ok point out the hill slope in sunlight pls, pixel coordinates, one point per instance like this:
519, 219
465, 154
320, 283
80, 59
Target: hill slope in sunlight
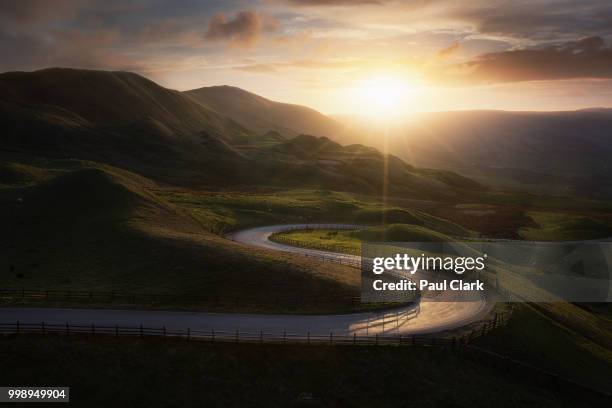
262, 115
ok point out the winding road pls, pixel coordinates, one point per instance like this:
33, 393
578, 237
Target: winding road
424, 318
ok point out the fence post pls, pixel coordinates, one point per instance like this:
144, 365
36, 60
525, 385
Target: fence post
237, 335
212, 331
284, 337
164, 329
261, 336
308, 337
188, 333
354, 338
93, 328
67, 329
42, 325
400, 340
17, 326
116, 330
141, 331
331, 338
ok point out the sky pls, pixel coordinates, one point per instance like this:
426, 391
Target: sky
337, 56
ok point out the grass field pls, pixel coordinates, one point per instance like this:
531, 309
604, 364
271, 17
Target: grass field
162, 373
93, 227
79, 225
558, 340
349, 241
553, 226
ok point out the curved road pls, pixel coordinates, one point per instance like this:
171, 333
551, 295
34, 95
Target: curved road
428, 317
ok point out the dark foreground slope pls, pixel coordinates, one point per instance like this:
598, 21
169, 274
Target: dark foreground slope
262, 115
196, 374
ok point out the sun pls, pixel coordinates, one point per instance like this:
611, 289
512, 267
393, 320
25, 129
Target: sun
385, 96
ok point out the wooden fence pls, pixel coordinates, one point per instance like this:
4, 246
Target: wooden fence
261, 336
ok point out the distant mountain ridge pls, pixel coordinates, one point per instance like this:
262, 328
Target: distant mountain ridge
113, 99
262, 115
130, 122
559, 152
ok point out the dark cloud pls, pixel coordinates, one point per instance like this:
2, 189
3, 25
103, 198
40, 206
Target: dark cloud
35, 11
585, 58
538, 20
110, 34
244, 29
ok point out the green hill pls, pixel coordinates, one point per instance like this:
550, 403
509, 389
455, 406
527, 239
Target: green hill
262, 115
95, 227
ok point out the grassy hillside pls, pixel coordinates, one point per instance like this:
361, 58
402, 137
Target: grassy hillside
314, 161
553, 226
95, 227
262, 115
119, 100
350, 241
557, 340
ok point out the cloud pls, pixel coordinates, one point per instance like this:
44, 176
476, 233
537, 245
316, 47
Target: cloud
585, 58
35, 11
453, 48
542, 20
334, 2
307, 64
257, 68
244, 29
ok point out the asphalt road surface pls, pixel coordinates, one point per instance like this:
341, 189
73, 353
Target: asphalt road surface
421, 318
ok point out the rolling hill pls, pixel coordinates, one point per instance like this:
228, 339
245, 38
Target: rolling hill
561, 153
127, 121
262, 115
87, 226
557, 152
